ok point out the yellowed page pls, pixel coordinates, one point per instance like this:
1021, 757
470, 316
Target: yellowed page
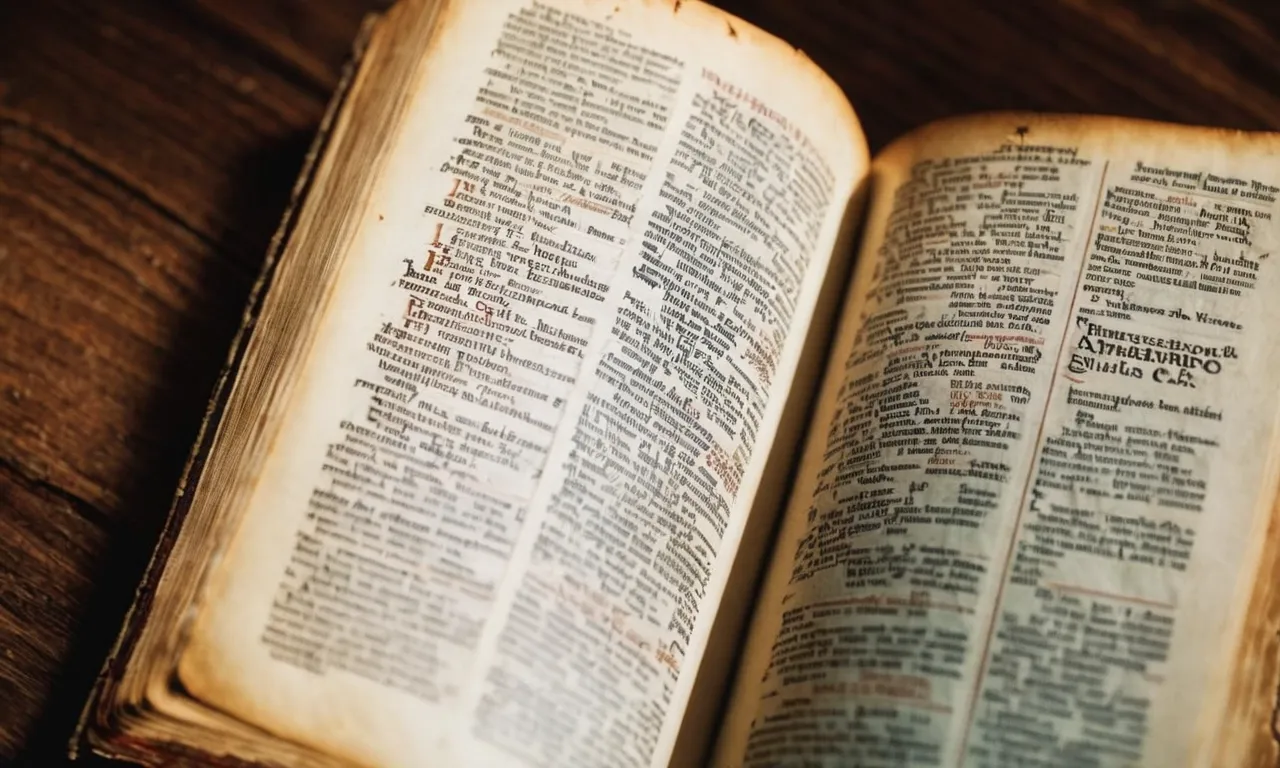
1032, 504
498, 516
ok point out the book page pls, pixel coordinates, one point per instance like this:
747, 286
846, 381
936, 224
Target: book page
497, 518
1031, 508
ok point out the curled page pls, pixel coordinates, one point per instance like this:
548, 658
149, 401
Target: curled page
1029, 514
497, 519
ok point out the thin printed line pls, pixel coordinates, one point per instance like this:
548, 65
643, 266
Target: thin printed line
1026, 486
1077, 590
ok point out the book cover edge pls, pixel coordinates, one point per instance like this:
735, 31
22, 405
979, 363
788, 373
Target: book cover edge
82, 739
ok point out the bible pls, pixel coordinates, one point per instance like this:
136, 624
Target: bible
603, 402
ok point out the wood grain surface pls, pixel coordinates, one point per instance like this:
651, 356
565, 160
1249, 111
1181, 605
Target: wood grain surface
147, 148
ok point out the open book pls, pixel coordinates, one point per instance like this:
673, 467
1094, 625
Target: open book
586, 416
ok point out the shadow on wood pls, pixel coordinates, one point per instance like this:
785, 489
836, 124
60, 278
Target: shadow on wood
169, 423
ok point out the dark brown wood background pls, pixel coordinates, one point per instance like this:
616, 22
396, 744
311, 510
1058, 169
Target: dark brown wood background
146, 151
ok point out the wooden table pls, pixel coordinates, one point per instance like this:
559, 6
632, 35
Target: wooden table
146, 151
